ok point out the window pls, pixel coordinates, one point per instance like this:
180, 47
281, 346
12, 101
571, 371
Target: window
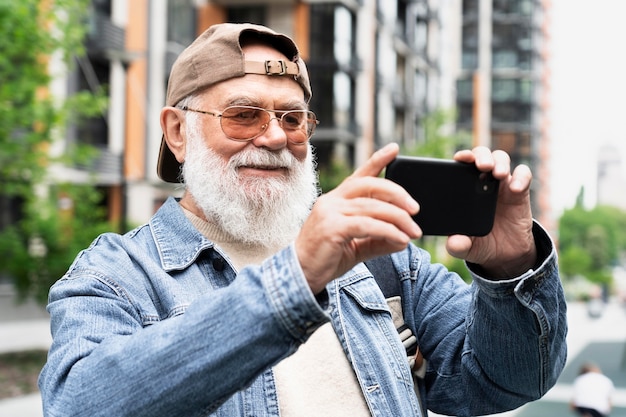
469, 59
247, 14
465, 89
524, 7
512, 46
181, 22
470, 7
504, 90
331, 69
93, 131
510, 113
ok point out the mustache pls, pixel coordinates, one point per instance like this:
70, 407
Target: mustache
263, 158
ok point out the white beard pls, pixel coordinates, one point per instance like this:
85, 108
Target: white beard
259, 211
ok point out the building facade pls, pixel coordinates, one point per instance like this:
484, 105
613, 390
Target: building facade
503, 85
377, 67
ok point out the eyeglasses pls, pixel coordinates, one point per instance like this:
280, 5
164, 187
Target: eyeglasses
245, 123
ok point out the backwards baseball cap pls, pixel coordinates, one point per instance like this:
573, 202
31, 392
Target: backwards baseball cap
216, 56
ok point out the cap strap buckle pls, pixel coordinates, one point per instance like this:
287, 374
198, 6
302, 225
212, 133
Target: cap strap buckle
269, 67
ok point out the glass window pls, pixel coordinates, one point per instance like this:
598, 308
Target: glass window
93, 130
465, 113
420, 40
470, 7
525, 91
344, 36
512, 89
343, 94
322, 32
505, 59
421, 92
465, 89
469, 58
511, 44
247, 14
331, 68
524, 7
510, 113
503, 90
181, 21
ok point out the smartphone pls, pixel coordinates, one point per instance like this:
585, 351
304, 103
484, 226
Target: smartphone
454, 197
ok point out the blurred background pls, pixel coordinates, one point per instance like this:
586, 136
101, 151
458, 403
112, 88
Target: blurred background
83, 82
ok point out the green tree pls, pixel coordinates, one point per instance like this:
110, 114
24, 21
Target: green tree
439, 142
331, 176
38, 248
591, 241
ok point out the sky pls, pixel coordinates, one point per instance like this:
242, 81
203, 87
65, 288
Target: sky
588, 94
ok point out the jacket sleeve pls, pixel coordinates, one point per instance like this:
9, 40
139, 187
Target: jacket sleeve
491, 346
104, 361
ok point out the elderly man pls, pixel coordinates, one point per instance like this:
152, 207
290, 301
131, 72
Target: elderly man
249, 295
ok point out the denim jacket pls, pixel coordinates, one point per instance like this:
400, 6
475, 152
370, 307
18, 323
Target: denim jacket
157, 323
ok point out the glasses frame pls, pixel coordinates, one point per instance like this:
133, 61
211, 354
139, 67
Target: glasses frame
263, 126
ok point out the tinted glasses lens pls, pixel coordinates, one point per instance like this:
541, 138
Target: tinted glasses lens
297, 124
244, 122
247, 123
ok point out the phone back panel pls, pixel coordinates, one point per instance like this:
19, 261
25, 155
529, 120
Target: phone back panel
454, 197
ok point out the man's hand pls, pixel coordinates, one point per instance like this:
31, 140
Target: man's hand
509, 249
364, 217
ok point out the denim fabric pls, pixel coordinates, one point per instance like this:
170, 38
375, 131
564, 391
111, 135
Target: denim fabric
157, 323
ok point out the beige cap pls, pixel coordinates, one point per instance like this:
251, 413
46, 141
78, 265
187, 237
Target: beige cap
216, 56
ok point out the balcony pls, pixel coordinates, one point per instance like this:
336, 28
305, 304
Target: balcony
105, 39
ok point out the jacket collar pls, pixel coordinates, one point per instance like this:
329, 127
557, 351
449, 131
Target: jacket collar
178, 242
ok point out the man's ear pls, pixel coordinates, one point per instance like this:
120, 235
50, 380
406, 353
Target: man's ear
173, 126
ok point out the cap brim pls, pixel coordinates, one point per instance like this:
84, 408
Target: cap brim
168, 167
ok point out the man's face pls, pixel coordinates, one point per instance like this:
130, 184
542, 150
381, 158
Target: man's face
258, 191
268, 92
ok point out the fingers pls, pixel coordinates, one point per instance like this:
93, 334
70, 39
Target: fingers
498, 162
458, 246
521, 179
510, 242
377, 189
377, 162
378, 199
363, 217
378, 219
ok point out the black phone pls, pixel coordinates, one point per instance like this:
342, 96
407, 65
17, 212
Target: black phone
454, 197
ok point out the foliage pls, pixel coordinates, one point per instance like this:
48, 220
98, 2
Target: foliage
39, 247
573, 260
332, 176
438, 142
28, 115
591, 241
